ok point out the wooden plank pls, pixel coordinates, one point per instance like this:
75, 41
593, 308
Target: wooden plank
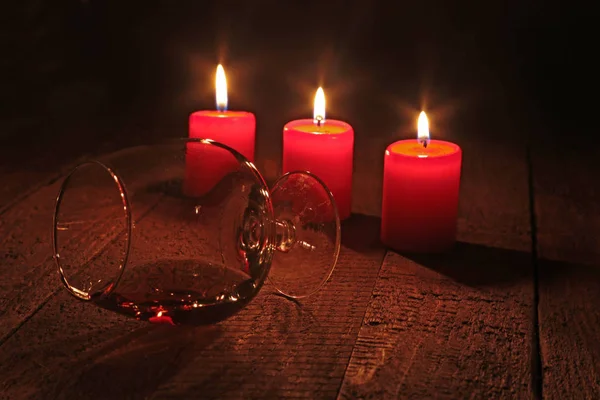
567, 204
275, 347
443, 327
494, 196
460, 324
18, 185
29, 276
26, 165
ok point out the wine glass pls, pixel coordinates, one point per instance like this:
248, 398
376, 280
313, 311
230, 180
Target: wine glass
187, 231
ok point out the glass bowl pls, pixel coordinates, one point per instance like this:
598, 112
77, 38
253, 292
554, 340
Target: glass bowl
187, 232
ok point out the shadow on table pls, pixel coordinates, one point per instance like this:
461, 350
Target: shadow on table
259, 350
477, 265
138, 363
570, 275
473, 265
361, 233
276, 349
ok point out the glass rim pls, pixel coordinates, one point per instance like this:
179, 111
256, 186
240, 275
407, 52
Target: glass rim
78, 293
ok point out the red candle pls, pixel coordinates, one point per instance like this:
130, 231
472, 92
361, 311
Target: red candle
325, 148
421, 180
205, 167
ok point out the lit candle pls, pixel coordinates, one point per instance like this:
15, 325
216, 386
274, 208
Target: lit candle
421, 180
236, 129
325, 148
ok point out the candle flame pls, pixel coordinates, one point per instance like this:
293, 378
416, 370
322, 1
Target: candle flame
221, 88
319, 107
423, 129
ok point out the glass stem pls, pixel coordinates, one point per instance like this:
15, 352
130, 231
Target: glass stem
286, 237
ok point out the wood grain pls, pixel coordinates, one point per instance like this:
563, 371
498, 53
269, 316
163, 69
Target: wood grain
274, 348
567, 203
494, 198
29, 276
438, 327
457, 325
26, 165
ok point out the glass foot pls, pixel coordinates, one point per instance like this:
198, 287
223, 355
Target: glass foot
308, 234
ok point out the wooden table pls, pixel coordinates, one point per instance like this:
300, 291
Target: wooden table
512, 312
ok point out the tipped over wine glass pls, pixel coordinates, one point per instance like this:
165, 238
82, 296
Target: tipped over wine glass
187, 232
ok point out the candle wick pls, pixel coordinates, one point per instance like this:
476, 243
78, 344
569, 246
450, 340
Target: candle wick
318, 120
425, 143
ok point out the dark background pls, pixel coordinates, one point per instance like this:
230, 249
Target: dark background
80, 73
